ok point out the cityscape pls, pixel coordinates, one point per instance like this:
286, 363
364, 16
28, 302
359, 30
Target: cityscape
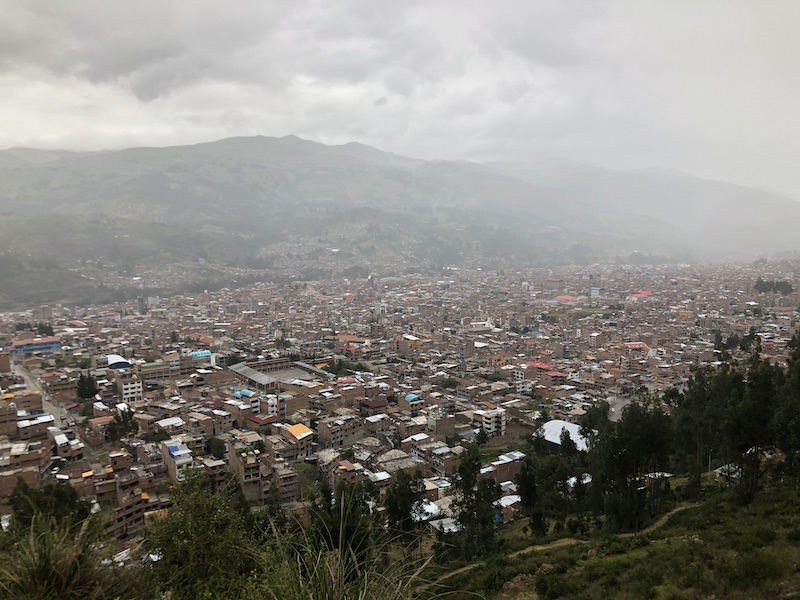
276, 389
419, 300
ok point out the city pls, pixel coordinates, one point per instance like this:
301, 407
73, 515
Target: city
355, 381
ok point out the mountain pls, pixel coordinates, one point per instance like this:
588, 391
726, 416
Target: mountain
281, 204
33, 155
7, 159
710, 219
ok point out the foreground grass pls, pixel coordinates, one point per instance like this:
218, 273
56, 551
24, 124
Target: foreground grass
718, 549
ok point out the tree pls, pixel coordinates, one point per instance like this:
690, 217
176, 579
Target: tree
696, 417
159, 436
203, 543
232, 359
482, 438
475, 511
747, 426
122, 426
639, 443
786, 420
215, 447
449, 383
568, 447
343, 520
401, 499
528, 487
54, 503
87, 386
44, 329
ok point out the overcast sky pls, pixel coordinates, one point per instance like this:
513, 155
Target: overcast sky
712, 88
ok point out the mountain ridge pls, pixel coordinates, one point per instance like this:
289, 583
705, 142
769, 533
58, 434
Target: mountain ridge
257, 197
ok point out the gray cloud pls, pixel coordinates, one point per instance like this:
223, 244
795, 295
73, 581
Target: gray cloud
706, 87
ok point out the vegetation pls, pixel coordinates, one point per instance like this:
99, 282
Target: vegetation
777, 287
215, 447
401, 499
474, 512
717, 549
87, 386
59, 562
232, 359
122, 426
201, 547
343, 367
52, 551
53, 504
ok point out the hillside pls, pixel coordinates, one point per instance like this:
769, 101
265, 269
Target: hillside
711, 219
717, 549
250, 201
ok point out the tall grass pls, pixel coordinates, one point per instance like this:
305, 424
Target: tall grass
55, 561
297, 567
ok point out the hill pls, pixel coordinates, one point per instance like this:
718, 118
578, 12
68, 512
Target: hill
711, 219
718, 549
278, 203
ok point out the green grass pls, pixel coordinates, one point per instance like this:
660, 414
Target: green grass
718, 549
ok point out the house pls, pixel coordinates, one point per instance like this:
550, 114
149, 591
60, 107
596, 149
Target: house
552, 431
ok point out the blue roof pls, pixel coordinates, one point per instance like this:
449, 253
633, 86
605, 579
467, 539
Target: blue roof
412, 398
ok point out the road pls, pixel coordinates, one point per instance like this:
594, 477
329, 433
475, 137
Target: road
33, 384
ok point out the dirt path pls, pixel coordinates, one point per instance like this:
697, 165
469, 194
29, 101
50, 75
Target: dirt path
568, 542
660, 522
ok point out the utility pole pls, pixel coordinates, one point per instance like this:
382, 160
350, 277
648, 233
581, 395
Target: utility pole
710, 452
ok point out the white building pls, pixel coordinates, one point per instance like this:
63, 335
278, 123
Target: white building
493, 422
129, 386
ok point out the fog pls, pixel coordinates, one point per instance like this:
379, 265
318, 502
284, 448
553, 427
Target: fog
706, 88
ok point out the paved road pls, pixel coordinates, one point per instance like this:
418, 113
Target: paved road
33, 384
56, 410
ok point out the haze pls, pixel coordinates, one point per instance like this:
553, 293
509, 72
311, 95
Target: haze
707, 88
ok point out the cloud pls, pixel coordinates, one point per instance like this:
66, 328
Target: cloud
708, 88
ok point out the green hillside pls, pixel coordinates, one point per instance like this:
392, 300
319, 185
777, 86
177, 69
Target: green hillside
717, 549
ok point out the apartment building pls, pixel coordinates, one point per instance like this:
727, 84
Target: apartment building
493, 422
339, 432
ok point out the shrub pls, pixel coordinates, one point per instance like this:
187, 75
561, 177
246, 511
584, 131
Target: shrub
57, 561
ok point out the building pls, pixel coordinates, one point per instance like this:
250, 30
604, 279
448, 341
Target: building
129, 386
178, 457
29, 460
129, 514
339, 432
553, 430
284, 481
245, 461
38, 345
493, 422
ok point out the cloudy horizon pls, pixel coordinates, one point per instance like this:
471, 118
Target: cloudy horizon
707, 88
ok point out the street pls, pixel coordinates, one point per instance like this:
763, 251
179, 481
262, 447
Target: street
33, 384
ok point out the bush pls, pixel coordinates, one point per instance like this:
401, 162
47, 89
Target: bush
299, 568
55, 560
